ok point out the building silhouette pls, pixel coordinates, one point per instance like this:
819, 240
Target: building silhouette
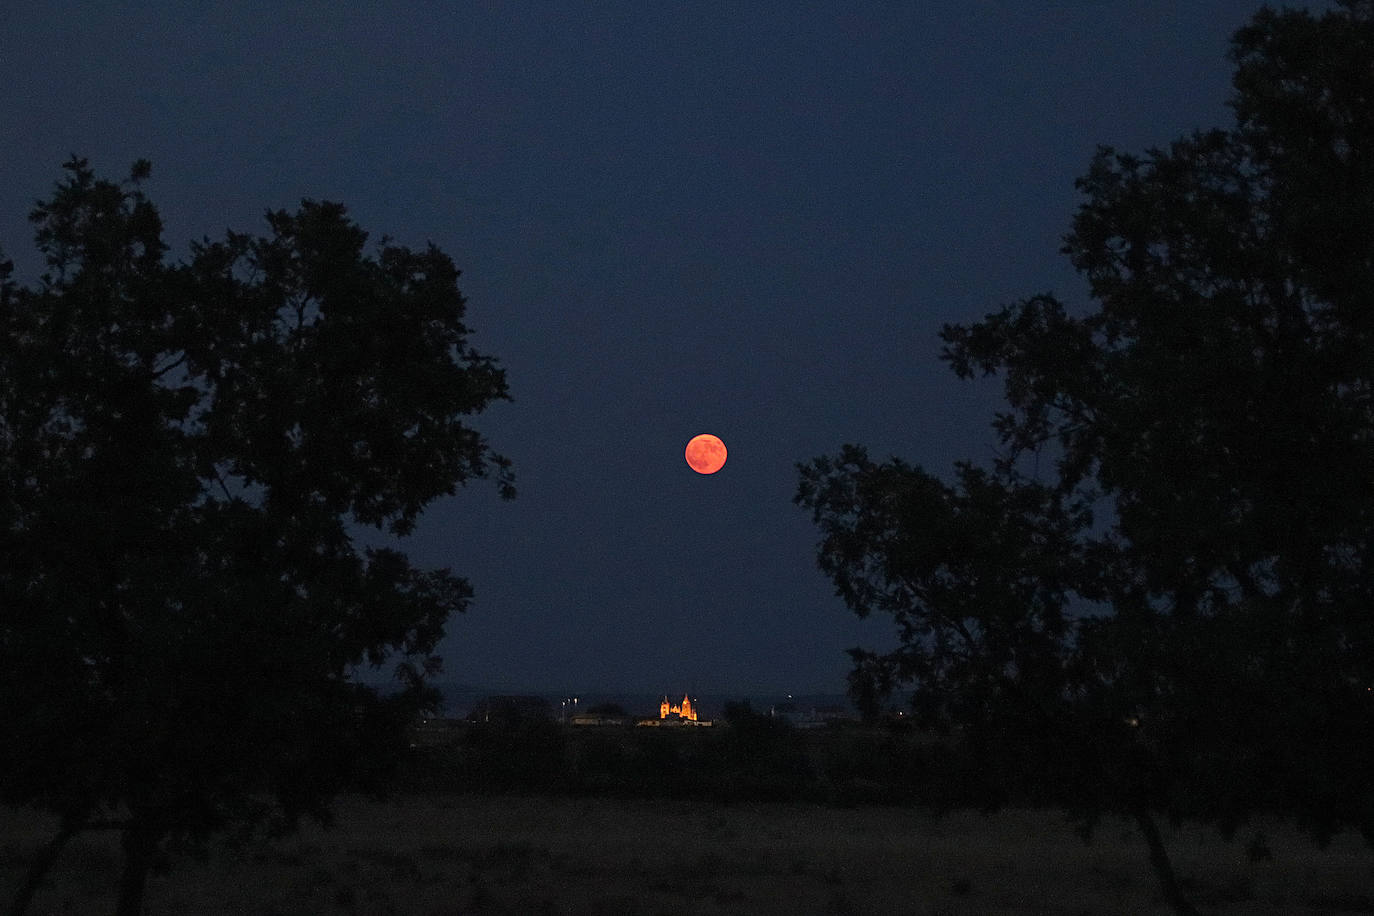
685, 711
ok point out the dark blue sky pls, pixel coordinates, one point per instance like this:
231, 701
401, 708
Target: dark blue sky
749, 219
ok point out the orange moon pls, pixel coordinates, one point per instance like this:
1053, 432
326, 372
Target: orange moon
706, 454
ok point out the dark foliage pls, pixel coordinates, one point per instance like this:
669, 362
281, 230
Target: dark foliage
526, 755
765, 760
1159, 594
184, 450
757, 756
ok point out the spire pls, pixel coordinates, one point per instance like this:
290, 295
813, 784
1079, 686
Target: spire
685, 711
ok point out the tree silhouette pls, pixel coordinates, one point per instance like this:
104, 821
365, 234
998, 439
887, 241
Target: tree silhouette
1159, 593
184, 451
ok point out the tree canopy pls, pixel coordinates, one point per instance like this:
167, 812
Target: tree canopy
187, 451
1159, 593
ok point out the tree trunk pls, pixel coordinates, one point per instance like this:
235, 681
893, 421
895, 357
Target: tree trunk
41, 862
1164, 870
140, 845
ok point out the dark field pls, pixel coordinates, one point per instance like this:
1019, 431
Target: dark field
445, 854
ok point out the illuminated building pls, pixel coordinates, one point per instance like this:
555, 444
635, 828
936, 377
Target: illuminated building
685, 711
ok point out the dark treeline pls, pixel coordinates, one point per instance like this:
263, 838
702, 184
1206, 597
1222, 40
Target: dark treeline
752, 759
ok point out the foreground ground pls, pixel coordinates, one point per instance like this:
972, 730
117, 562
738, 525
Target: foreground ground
518, 855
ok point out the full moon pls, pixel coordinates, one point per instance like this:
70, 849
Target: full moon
706, 454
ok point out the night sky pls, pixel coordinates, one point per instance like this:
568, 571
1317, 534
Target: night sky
748, 219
